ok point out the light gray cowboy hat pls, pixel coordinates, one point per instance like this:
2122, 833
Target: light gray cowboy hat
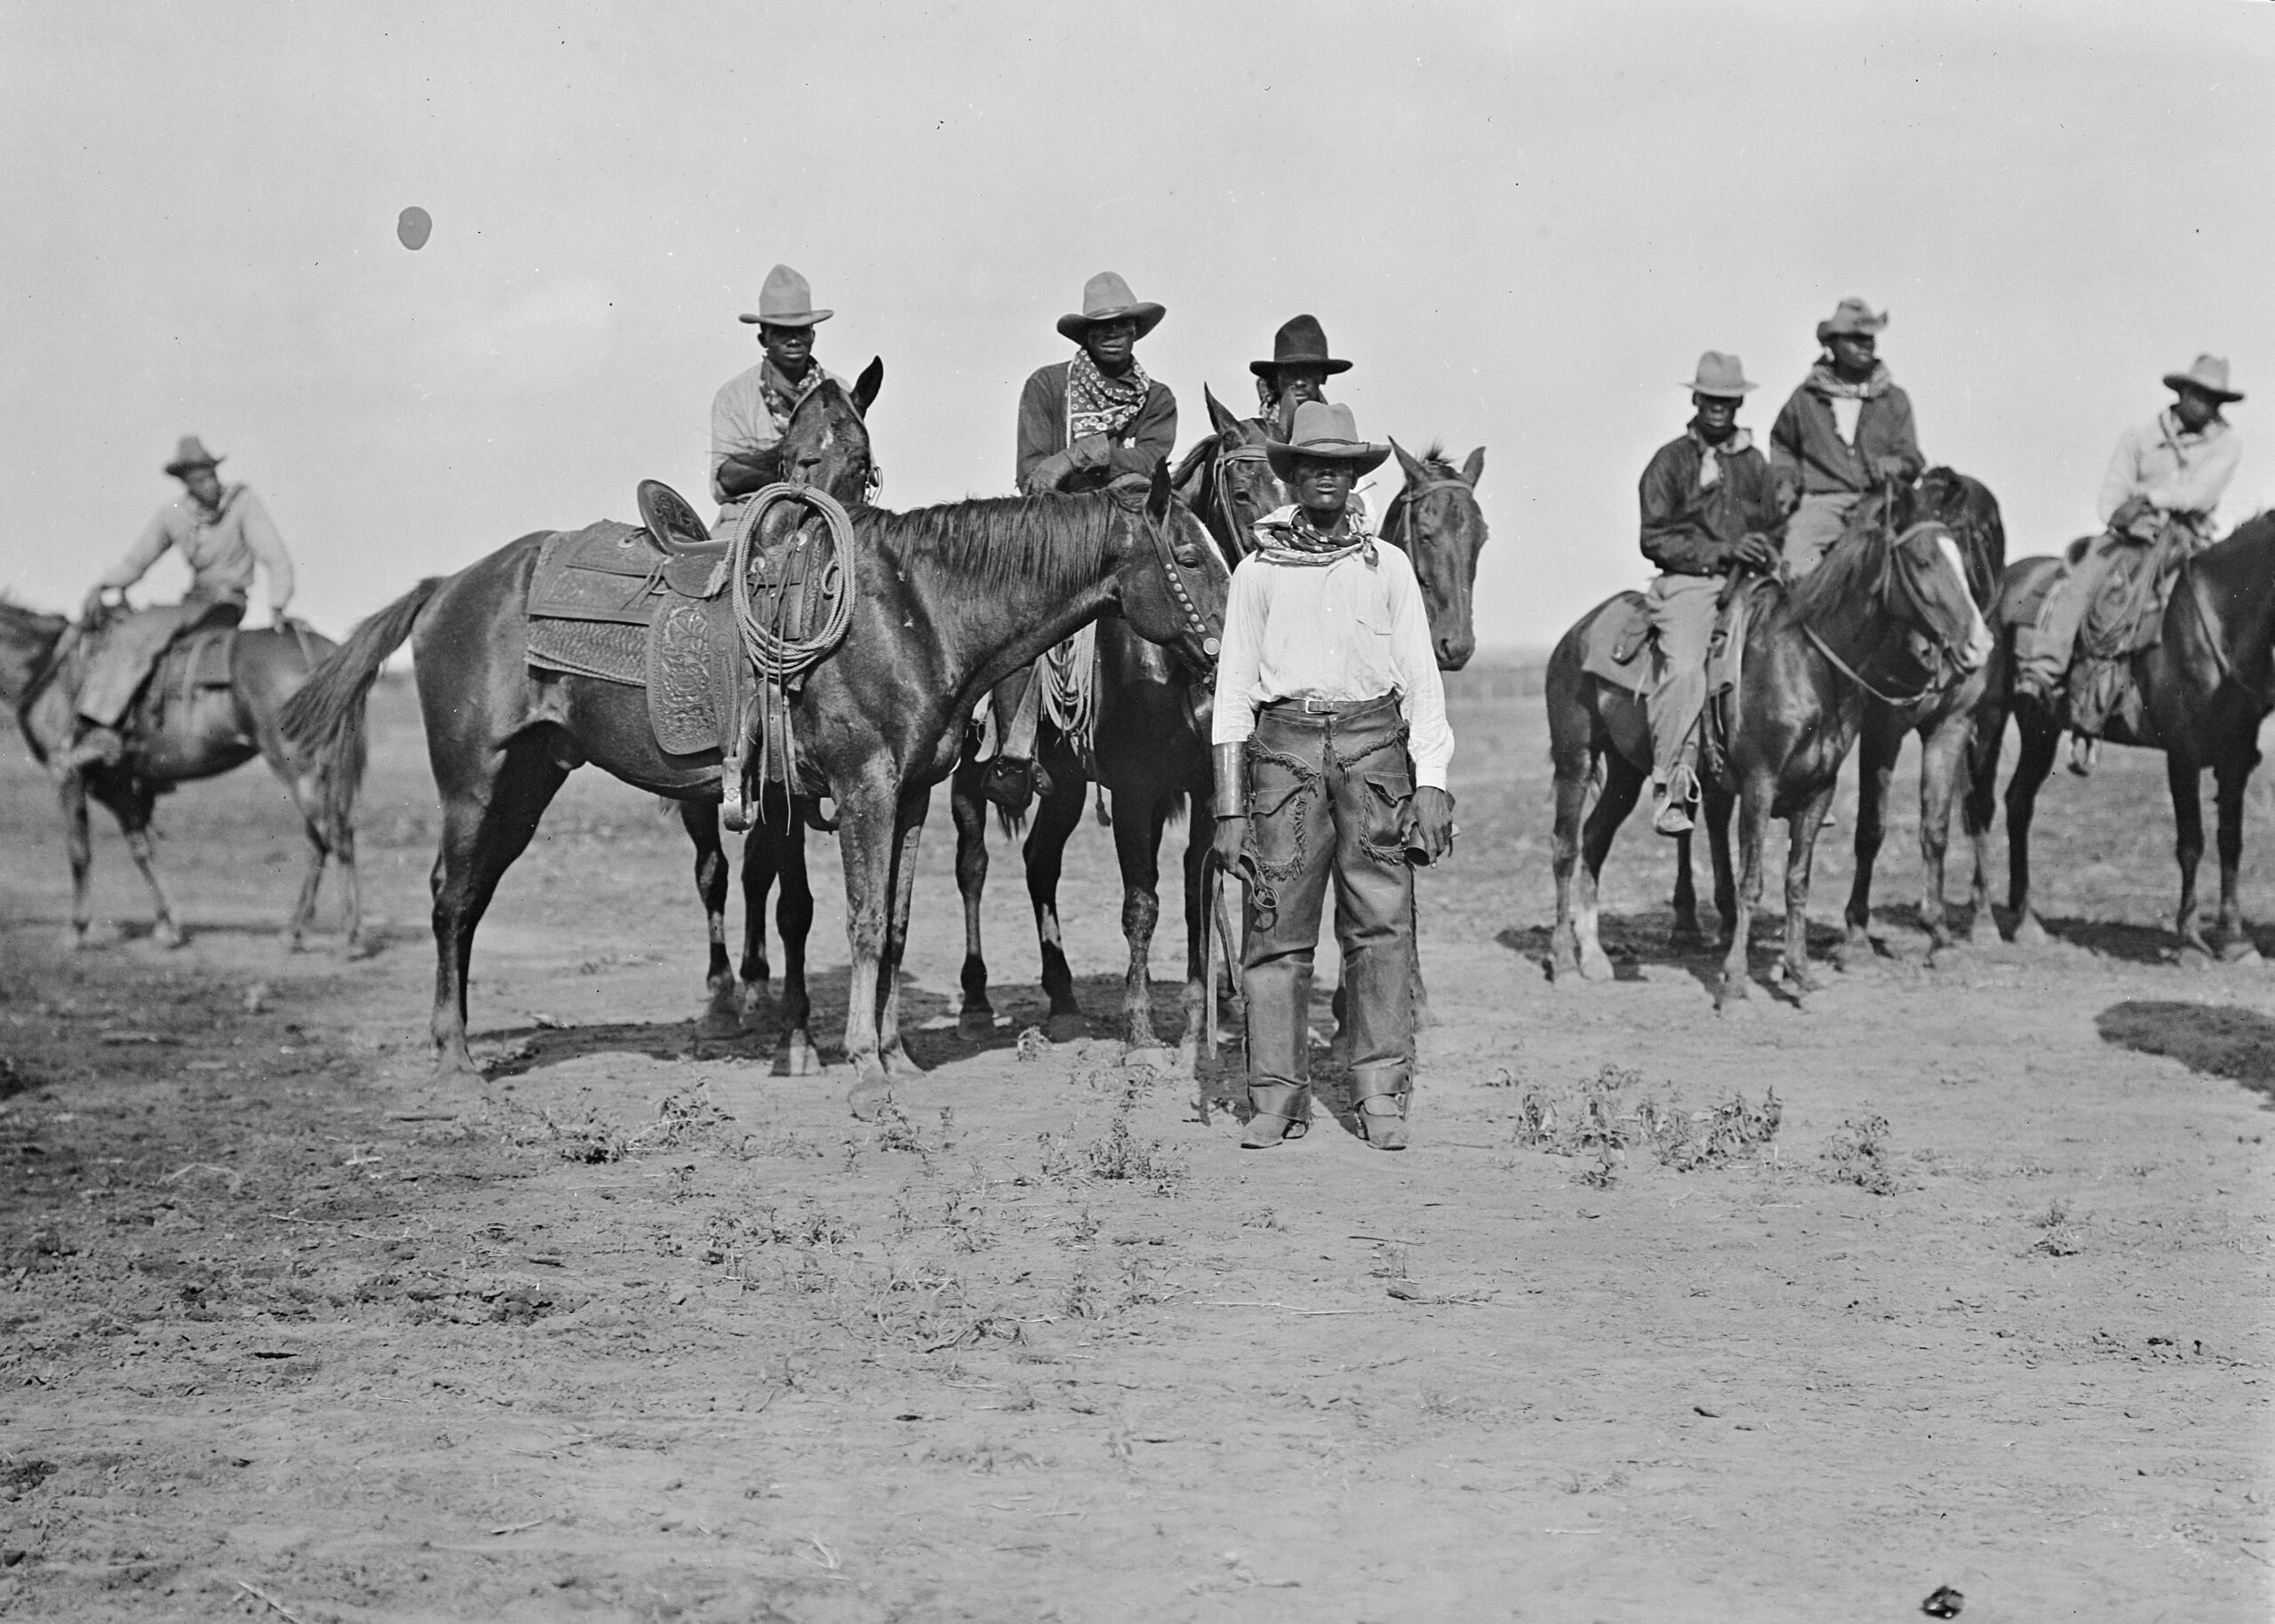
1850, 316
2208, 376
786, 301
191, 453
1106, 298
1721, 376
1327, 431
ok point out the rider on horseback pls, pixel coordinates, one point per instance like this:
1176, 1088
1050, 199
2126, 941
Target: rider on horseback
2164, 485
1297, 372
752, 409
222, 533
1709, 509
1847, 429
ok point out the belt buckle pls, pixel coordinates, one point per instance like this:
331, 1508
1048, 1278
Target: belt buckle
1317, 706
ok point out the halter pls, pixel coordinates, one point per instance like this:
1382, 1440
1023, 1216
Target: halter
1942, 674
1220, 487
1173, 572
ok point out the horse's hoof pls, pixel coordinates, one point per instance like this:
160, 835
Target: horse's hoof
291, 942
167, 935
1686, 939
976, 1024
75, 939
1941, 954
456, 1069
1984, 931
720, 1023
1147, 1057
2029, 931
1069, 1027
867, 1100
2239, 952
796, 1057
1595, 965
896, 1062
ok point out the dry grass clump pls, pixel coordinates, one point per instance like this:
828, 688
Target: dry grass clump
1601, 1118
2060, 1238
1857, 1153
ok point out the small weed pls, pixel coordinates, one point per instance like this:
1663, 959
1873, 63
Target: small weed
1118, 1155
1501, 1078
2061, 1238
1080, 1300
1262, 1218
1032, 1044
1857, 1153
1601, 1118
1086, 1230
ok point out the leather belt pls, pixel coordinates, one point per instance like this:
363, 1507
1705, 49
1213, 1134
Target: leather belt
1311, 704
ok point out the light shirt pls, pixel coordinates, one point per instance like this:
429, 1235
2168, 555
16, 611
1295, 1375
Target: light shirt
743, 422
2177, 472
1846, 409
220, 548
1341, 630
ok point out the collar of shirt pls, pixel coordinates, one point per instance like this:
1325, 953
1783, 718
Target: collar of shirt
2186, 439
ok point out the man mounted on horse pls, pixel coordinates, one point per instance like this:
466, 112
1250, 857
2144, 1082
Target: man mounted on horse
1297, 372
1083, 423
1846, 432
1710, 511
752, 409
2157, 499
222, 533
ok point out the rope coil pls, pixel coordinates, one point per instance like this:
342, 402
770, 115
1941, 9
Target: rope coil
778, 658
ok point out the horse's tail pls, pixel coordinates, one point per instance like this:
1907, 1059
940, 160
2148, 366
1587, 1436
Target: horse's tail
323, 720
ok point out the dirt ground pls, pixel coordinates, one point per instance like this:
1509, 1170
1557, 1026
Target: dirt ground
639, 1331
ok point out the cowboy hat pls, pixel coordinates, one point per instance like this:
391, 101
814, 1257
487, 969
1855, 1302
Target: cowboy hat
1851, 316
1326, 431
1106, 298
1300, 342
1721, 376
786, 301
2208, 376
191, 453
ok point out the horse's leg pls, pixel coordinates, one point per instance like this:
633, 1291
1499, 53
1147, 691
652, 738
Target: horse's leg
133, 815
868, 839
793, 918
1801, 854
2232, 772
1199, 832
1138, 852
701, 821
490, 811
1876, 751
2186, 779
1986, 733
1685, 934
1754, 798
890, 1048
1941, 748
351, 891
304, 907
1056, 819
1623, 782
1718, 852
79, 848
2032, 762
968, 807
766, 850
1572, 777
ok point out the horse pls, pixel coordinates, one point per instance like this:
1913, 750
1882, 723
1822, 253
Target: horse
1811, 652
216, 728
1943, 716
950, 599
2205, 686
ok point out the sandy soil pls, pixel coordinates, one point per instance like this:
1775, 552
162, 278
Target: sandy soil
639, 1331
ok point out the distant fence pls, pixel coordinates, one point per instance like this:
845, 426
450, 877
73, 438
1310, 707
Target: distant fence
1502, 679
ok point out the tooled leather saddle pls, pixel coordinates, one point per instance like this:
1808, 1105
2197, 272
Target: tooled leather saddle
651, 606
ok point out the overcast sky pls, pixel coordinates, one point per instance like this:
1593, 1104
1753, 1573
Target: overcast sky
1522, 222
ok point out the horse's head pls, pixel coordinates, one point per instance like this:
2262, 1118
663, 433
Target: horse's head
1436, 521
1924, 585
1228, 481
826, 442
1966, 507
28, 639
1169, 582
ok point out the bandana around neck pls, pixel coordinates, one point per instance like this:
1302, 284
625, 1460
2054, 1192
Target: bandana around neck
782, 395
1286, 536
1825, 381
1096, 404
1710, 455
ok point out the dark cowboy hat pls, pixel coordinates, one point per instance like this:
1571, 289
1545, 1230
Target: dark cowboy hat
1299, 342
1326, 431
1106, 298
786, 300
191, 453
2208, 377
1850, 317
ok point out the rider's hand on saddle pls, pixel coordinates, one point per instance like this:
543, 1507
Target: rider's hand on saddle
1755, 552
1231, 844
1432, 821
1090, 451
1892, 469
1048, 473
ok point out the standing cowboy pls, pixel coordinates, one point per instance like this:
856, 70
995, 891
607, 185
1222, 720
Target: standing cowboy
222, 533
753, 409
1325, 685
1846, 429
1083, 423
1297, 372
2157, 498
1710, 509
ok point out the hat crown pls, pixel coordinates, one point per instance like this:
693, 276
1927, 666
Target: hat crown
1300, 338
190, 452
1719, 373
1106, 294
1849, 317
785, 294
2210, 373
1323, 423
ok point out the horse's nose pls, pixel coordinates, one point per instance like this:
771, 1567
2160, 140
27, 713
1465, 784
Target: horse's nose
1454, 652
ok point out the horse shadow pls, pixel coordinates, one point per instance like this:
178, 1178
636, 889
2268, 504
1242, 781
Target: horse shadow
2214, 1040
2134, 943
1645, 937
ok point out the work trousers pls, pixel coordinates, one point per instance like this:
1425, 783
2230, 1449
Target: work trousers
1330, 795
1681, 610
132, 646
1819, 522
2044, 648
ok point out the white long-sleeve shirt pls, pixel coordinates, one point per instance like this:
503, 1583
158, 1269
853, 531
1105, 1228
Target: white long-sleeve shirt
2177, 472
1341, 630
221, 547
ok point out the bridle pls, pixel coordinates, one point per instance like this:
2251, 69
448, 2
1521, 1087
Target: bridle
1946, 670
1205, 634
1221, 489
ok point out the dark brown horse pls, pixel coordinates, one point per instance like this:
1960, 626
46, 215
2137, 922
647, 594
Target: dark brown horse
216, 729
2205, 687
1943, 716
950, 599
1811, 652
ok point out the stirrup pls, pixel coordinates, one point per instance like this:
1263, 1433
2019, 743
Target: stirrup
734, 809
1670, 816
1385, 1130
1268, 1127
2085, 749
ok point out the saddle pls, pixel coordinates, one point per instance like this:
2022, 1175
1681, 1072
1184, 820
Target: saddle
1615, 648
193, 664
651, 606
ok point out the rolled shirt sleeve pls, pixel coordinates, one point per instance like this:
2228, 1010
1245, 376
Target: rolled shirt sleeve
1238, 660
740, 423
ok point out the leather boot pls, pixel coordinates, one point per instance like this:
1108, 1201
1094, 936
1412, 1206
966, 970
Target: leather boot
1280, 1115
96, 746
1382, 1118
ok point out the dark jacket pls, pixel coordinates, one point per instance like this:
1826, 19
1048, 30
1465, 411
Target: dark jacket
1141, 447
1805, 446
1688, 531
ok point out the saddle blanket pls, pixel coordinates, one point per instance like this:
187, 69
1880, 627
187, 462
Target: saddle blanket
1617, 647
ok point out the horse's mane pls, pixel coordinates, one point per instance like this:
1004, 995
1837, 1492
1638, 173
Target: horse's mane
1851, 567
1056, 542
1192, 459
2255, 531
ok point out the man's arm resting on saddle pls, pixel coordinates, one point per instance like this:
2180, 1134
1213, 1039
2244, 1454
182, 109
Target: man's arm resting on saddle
746, 471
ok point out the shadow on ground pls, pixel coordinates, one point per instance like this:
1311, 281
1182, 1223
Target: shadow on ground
2217, 1039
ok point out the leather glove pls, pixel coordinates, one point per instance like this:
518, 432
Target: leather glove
1430, 822
1049, 473
1090, 451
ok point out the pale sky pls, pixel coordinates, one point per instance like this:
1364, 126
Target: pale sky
1522, 223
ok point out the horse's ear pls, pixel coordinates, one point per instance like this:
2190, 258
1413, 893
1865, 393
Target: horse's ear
1158, 496
1473, 469
1415, 474
869, 385
1227, 426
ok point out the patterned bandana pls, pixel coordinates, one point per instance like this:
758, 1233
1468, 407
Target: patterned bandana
1825, 381
1710, 455
782, 395
1286, 536
1096, 404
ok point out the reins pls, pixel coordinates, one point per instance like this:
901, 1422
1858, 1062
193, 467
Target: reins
1945, 663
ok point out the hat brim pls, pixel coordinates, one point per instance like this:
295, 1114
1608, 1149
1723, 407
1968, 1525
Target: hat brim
1721, 392
1826, 331
2182, 380
1270, 368
800, 318
1147, 316
178, 468
1363, 459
